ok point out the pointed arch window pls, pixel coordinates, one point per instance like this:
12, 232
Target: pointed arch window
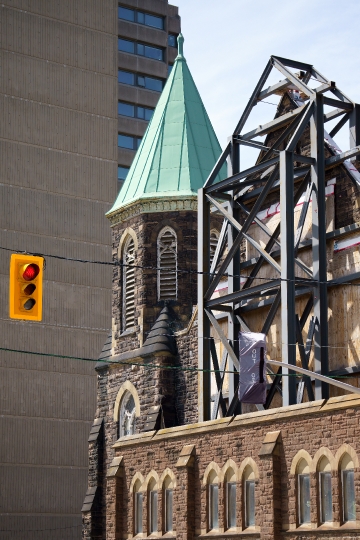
127, 415
129, 284
325, 490
348, 489
138, 508
304, 499
213, 498
249, 497
167, 264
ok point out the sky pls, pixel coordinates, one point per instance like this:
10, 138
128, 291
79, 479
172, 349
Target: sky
228, 43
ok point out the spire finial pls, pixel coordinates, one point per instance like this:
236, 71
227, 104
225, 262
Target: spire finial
180, 40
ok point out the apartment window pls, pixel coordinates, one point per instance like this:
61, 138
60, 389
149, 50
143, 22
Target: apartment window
122, 172
348, 489
172, 40
129, 284
249, 497
230, 487
167, 263
170, 66
133, 111
303, 472
138, 509
155, 53
126, 141
141, 17
150, 83
325, 491
153, 507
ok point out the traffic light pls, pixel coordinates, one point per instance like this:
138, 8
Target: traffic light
26, 284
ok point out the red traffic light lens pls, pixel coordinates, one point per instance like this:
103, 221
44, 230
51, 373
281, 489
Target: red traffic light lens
30, 272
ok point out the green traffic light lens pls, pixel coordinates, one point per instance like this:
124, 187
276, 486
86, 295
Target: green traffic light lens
29, 304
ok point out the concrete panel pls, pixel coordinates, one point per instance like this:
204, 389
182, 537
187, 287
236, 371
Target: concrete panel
57, 340
132, 126
125, 157
72, 131
53, 171
27, 489
140, 32
57, 41
148, 98
63, 271
88, 13
140, 64
39, 527
73, 217
151, 6
57, 84
38, 441
69, 305
46, 395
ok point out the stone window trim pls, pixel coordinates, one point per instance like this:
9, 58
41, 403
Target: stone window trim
126, 388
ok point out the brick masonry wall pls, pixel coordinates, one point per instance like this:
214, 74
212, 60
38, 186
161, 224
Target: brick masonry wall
310, 427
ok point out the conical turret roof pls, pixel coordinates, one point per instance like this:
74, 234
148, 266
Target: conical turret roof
179, 148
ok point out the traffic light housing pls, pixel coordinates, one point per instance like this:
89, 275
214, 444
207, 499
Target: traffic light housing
26, 287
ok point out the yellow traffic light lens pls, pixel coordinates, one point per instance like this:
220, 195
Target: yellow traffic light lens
29, 304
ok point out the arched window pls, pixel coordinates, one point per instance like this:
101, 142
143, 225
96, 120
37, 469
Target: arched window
127, 415
214, 237
168, 504
348, 488
303, 482
213, 497
230, 496
152, 506
138, 508
167, 264
249, 496
325, 490
129, 284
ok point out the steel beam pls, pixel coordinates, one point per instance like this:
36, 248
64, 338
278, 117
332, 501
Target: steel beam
274, 89
273, 125
321, 363
204, 377
217, 167
288, 330
355, 127
289, 75
338, 104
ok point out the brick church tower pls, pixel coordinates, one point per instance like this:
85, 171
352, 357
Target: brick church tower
154, 231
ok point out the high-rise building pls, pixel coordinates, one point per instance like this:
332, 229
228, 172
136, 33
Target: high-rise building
58, 148
147, 48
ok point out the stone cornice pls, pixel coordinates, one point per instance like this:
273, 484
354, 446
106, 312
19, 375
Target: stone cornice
147, 206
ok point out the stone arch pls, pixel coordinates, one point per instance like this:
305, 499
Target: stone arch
137, 476
248, 462
127, 386
167, 473
346, 449
323, 452
301, 454
209, 469
229, 465
153, 475
127, 232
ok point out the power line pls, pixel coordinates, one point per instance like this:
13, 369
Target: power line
304, 281
144, 365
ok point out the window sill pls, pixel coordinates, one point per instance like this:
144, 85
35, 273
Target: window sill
232, 533
311, 528
129, 332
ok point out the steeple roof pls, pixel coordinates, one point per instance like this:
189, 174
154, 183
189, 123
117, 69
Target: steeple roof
179, 148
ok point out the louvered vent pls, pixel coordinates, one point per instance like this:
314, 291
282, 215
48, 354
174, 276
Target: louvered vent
214, 237
167, 262
129, 285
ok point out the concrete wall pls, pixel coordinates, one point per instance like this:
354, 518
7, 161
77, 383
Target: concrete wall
58, 177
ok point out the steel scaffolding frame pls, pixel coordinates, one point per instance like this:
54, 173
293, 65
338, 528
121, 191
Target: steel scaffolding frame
274, 170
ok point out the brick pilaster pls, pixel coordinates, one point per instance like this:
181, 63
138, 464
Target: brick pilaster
184, 495
270, 499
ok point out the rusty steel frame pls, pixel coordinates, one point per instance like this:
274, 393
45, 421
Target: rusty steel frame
228, 198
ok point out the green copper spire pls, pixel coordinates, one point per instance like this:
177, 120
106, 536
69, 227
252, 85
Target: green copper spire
179, 148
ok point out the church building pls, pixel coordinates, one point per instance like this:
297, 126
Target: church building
154, 469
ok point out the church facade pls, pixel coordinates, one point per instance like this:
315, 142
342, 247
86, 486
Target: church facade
154, 470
